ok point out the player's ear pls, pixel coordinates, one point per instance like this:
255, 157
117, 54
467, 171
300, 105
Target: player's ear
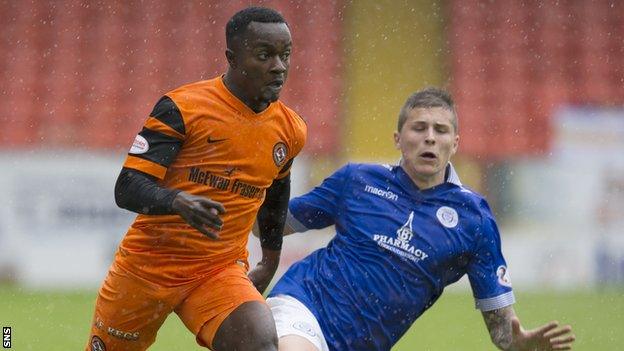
231, 58
455, 144
397, 140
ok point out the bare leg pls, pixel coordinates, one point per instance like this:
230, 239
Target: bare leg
250, 327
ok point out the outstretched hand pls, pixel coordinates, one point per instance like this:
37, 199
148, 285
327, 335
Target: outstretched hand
200, 212
547, 337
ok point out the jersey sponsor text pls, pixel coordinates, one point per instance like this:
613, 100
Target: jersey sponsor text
383, 193
399, 247
196, 175
401, 244
214, 181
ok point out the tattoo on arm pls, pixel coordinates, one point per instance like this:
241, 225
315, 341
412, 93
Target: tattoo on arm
499, 325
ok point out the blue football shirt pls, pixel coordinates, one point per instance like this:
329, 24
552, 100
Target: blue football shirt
395, 250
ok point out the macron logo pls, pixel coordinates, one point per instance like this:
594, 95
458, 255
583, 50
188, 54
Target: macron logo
382, 193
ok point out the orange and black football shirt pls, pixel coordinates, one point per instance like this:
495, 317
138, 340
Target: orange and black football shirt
203, 140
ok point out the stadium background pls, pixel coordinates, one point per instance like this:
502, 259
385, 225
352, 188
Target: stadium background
540, 92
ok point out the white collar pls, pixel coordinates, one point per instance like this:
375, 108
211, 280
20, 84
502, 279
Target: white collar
452, 176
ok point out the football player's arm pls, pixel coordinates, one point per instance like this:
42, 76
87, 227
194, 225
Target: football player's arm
488, 276
139, 192
507, 333
288, 228
316, 209
270, 222
156, 147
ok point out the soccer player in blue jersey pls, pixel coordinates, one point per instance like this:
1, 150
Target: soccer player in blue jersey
403, 233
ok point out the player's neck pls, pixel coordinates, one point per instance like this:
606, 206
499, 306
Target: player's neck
423, 181
236, 88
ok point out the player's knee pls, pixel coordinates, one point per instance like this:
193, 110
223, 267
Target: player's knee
268, 343
249, 327
262, 336
251, 340
247, 343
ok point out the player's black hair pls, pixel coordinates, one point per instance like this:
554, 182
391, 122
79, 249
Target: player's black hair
428, 98
239, 22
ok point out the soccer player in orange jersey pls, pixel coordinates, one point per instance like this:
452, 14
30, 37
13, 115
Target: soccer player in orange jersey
212, 157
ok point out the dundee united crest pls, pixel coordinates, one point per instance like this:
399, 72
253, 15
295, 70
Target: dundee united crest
280, 154
97, 344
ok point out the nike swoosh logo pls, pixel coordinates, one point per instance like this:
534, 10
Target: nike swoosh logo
210, 140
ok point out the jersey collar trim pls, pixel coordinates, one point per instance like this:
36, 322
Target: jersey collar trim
239, 105
452, 176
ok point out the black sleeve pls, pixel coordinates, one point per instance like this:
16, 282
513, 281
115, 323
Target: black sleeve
139, 192
162, 147
272, 214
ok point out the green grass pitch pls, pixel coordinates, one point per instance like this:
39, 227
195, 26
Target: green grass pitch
48, 320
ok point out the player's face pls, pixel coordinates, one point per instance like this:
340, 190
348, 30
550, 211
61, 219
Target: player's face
263, 60
427, 141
